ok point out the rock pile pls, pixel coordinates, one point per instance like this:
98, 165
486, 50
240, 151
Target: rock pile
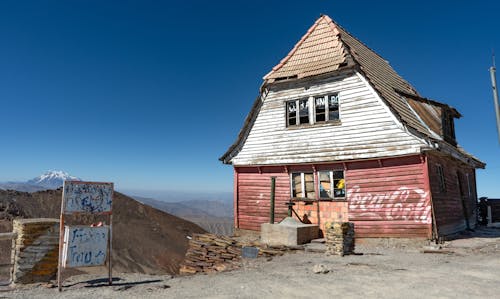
339, 238
209, 253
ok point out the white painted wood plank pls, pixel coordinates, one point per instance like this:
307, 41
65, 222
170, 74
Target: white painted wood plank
367, 129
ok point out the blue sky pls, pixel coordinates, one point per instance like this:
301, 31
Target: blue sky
148, 94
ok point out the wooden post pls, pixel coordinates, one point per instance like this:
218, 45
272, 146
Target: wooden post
61, 240
490, 221
110, 244
271, 210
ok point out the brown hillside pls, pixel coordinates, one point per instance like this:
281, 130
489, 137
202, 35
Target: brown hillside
145, 240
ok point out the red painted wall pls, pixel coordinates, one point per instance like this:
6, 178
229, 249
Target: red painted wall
389, 198
449, 204
254, 192
385, 198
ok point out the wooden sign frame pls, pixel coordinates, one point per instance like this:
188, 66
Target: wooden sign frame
86, 209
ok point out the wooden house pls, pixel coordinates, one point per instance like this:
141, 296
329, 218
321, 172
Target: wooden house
348, 139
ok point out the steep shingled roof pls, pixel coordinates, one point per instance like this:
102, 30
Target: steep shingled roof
327, 47
319, 51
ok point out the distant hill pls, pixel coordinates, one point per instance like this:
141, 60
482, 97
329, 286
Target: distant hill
20, 186
214, 216
145, 240
51, 179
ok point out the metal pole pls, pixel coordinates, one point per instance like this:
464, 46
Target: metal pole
495, 97
271, 211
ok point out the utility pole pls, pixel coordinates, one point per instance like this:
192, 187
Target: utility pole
495, 95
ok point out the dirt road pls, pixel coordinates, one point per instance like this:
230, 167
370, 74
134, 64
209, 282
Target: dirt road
470, 268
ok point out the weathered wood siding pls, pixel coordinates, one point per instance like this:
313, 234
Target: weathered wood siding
385, 198
449, 204
367, 129
254, 194
389, 198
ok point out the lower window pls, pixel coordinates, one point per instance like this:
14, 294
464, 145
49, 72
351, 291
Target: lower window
331, 184
303, 185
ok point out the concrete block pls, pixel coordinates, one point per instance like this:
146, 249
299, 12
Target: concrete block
288, 233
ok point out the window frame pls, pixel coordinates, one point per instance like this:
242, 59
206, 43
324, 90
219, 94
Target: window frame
326, 98
441, 178
332, 185
297, 112
469, 189
302, 185
311, 110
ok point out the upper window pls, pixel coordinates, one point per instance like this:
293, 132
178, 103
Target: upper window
326, 108
448, 127
460, 183
297, 112
442, 182
303, 185
322, 109
331, 184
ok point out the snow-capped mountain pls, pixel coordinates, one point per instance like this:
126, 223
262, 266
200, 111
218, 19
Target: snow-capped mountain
52, 179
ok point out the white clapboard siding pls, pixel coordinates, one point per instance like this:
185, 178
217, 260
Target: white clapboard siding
367, 128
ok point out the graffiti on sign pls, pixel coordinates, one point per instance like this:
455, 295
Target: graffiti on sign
85, 246
392, 205
87, 197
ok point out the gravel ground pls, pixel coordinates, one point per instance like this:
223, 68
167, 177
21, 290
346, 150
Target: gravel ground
468, 268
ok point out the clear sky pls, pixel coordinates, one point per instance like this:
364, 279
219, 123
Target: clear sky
149, 94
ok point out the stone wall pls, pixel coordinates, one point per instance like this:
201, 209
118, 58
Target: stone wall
35, 250
339, 238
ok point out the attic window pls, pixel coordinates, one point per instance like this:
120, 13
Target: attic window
327, 108
448, 127
321, 109
297, 112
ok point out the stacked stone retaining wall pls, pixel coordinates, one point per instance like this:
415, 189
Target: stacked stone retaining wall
339, 238
35, 250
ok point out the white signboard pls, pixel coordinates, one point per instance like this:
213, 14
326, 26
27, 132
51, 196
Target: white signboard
88, 197
85, 246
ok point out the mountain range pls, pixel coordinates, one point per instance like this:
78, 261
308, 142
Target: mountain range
211, 211
145, 240
52, 179
215, 216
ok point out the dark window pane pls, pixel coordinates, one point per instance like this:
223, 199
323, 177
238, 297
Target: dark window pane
333, 107
338, 184
291, 111
320, 106
304, 111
